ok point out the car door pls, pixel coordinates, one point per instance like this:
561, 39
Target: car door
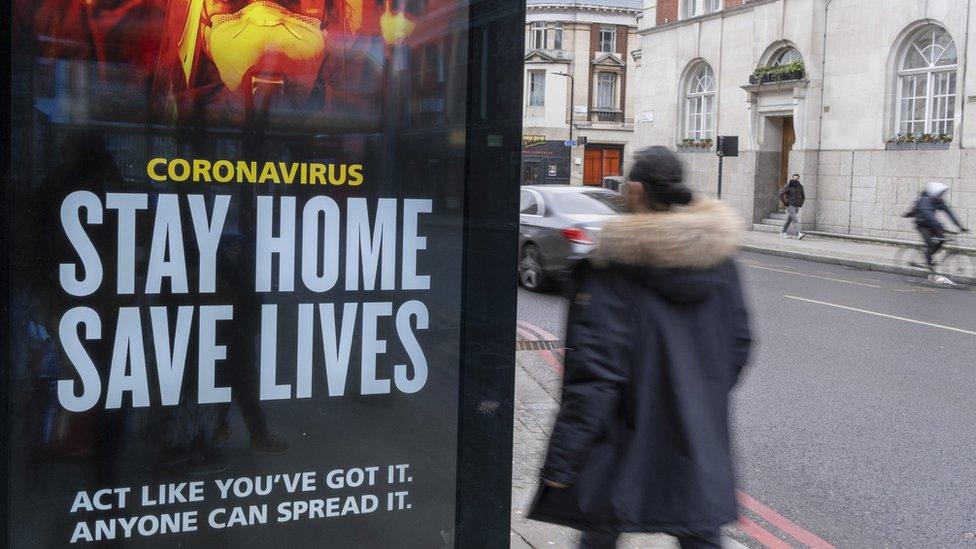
531, 217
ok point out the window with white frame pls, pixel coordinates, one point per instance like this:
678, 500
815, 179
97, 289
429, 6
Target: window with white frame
608, 38
606, 90
538, 35
927, 84
700, 103
787, 56
694, 8
537, 88
557, 36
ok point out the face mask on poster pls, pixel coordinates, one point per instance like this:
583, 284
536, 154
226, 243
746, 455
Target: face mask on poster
264, 40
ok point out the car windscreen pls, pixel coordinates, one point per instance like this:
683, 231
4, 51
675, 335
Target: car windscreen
590, 203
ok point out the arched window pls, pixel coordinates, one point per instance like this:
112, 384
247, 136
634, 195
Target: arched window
700, 103
927, 83
786, 56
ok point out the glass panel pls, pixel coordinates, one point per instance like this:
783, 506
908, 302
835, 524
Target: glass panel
707, 123
606, 91
788, 56
558, 41
285, 203
930, 48
537, 88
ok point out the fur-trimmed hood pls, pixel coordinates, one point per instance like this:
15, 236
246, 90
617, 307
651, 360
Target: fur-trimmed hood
702, 235
682, 255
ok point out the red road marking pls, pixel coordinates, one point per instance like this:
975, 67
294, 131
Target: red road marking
756, 532
543, 334
779, 521
553, 361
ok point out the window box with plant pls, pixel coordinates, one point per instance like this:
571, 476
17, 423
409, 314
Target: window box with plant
919, 141
787, 72
695, 145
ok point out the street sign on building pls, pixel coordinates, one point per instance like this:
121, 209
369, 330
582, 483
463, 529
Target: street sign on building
245, 308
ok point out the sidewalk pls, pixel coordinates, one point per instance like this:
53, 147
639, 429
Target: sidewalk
535, 410
869, 256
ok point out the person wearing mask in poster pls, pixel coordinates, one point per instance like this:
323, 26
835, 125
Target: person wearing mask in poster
925, 212
793, 197
657, 337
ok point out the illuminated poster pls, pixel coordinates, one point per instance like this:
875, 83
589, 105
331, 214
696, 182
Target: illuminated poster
237, 272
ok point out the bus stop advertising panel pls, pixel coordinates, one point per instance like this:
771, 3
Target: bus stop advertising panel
259, 281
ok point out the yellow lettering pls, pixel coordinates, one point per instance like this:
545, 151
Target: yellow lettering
317, 176
269, 173
151, 169
201, 170
355, 175
341, 180
223, 171
179, 170
247, 172
289, 176
304, 177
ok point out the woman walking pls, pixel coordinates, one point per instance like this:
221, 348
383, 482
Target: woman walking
657, 337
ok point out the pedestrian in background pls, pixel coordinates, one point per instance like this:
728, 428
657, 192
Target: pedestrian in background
793, 197
656, 339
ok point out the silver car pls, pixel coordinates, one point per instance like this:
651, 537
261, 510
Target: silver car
558, 228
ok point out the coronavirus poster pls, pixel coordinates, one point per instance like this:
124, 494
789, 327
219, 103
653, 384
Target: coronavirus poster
236, 272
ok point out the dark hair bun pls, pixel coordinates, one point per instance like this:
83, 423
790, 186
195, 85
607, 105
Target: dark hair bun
671, 194
661, 173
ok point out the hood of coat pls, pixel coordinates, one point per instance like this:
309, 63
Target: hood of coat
675, 253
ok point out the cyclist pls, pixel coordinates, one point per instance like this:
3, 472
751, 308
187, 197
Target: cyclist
927, 222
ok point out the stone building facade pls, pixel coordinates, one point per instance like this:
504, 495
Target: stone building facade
579, 69
866, 100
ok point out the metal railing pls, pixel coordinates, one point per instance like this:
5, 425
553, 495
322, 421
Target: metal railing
607, 115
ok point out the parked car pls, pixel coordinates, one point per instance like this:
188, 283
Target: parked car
558, 226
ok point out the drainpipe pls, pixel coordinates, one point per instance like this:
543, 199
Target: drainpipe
965, 65
823, 90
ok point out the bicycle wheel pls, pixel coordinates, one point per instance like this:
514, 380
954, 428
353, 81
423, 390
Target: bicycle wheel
910, 257
958, 265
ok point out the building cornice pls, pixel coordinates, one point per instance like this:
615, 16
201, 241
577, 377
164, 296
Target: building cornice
726, 12
584, 7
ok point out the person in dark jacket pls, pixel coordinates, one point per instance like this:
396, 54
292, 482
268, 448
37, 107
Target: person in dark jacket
656, 339
925, 212
793, 197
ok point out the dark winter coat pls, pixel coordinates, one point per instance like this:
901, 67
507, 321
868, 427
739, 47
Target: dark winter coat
792, 194
926, 209
657, 337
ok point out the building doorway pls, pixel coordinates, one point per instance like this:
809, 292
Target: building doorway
788, 140
602, 161
531, 173
772, 164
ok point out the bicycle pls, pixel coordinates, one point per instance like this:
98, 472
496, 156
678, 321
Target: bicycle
949, 262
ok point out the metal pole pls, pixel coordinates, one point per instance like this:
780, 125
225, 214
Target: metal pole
720, 159
572, 100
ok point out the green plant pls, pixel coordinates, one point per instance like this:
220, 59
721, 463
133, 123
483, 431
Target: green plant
921, 138
689, 143
779, 70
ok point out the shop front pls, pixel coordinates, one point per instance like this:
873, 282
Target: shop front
245, 304
545, 162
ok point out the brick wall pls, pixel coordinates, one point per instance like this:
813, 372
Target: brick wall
667, 11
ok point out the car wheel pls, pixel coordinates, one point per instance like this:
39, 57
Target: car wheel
531, 275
